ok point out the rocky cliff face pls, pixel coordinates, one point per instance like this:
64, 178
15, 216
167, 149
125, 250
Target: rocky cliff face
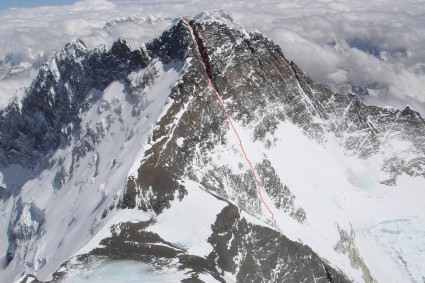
116, 130
40, 123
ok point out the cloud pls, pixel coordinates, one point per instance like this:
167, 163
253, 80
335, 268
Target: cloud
303, 28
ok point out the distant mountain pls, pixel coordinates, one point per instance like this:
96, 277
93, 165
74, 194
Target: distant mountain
205, 156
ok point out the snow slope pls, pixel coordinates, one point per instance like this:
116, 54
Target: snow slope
344, 192
186, 224
341, 195
352, 219
92, 186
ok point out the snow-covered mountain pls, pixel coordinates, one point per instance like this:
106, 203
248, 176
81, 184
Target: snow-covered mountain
205, 156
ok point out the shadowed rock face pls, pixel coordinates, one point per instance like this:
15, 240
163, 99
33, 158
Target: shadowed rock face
261, 89
33, 128
264, 255
253, 253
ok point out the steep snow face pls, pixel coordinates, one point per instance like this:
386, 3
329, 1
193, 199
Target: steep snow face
180, 226
336, 156
66, 205
326, 161
342, 179
187, 225
336, 174
344, 193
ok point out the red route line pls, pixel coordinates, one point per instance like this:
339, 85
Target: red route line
229, 119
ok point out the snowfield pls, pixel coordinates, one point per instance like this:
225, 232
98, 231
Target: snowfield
339, 191
187, 224
355, 219
97, 180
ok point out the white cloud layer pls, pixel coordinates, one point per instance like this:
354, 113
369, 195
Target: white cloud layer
304, 28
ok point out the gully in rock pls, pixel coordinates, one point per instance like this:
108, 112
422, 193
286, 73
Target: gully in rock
229, 119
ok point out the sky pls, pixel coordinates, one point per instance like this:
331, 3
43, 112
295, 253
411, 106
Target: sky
6, 4
333, 41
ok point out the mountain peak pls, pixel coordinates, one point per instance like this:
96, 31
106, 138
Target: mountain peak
167, 154
217, 16
75, 47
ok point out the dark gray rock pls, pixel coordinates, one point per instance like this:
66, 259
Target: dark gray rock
35, 126
261, 89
